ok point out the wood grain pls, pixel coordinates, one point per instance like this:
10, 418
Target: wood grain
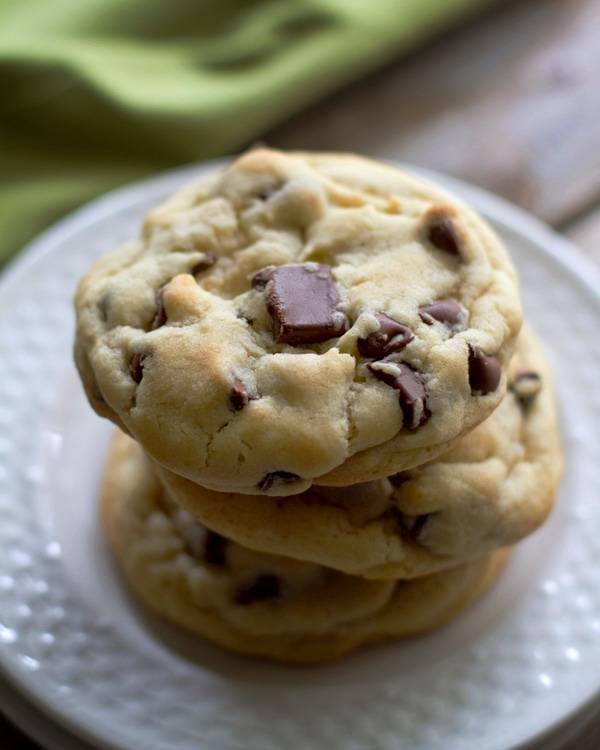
510, 102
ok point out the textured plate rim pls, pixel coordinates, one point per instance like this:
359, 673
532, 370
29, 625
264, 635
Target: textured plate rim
500, 211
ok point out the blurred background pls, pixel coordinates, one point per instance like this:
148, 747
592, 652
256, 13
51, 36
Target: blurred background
98, 93
95, 94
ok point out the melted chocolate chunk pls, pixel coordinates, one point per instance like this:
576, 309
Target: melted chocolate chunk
391, 337
264, 587
238, 395
136, 367
302, 302
276, 477
411, 391
204, 264
484, 371
526, 387
214, 548
160, 316
442, 234
446, 311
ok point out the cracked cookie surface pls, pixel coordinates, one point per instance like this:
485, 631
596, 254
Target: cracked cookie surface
492, 489
299, 317
256, 603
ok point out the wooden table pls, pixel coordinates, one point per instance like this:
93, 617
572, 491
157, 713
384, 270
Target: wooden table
509, 101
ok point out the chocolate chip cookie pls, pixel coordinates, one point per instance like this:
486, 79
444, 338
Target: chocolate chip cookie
298, 318
492, 489
256, 603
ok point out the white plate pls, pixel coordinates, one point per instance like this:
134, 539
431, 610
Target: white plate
38, 726
519, 662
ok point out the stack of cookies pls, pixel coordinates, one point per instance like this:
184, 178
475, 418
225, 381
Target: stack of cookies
333, 425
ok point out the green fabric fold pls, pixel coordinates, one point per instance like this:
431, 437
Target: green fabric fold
97, 93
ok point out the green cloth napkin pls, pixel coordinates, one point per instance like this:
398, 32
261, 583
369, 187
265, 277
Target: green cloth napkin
95, 93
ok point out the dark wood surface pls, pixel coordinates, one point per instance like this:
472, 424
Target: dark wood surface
510, 101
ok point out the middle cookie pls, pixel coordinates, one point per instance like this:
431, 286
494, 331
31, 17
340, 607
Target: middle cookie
493, 489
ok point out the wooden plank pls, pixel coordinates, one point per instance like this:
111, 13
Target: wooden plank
511, 102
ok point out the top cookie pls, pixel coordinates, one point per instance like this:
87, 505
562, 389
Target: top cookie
299, 317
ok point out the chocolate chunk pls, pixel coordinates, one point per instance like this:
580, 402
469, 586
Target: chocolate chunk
442, 234
160, 316
136, 367
484, 371
526, 387
276, 477
238, 395
214, 548
261, 278
446, 311
411, 390
302, 302
391, 337
204, 264
264, 587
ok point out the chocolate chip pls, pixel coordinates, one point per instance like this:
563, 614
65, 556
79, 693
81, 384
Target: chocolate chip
136, 367
276, 477
391, 337
204, 264
214, 548
264, 587
302, 302
525, 387
261, 278
160, 316
411, 390
484, 371
446, 311
238, 395
441, 232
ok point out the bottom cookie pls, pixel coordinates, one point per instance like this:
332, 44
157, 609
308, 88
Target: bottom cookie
259, 604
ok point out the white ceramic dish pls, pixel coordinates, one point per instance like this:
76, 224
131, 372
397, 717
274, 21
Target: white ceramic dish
513, 667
